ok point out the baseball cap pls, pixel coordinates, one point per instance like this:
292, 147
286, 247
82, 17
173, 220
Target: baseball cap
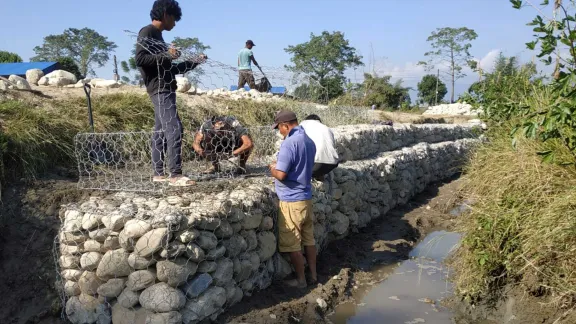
250, 42
283, 116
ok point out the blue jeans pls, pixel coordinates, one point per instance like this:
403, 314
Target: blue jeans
167, 137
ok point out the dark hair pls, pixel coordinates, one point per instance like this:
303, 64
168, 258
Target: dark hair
313, 117
169, 7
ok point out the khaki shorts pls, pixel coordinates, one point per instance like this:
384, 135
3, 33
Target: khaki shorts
295, 226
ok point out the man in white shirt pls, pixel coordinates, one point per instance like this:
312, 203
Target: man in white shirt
326, 158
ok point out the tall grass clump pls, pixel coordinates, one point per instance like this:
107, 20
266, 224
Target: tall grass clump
522, 226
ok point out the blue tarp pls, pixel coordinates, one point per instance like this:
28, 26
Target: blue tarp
274, 90
19, 69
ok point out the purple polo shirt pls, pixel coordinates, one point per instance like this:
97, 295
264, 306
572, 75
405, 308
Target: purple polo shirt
296, 159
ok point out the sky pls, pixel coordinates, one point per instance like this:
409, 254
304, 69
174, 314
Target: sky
393, 32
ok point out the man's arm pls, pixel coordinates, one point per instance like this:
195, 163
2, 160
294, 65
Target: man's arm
253, 60
187, 66
246, 145
197, 141
280, 169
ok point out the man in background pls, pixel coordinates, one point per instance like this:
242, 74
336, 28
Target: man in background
154, 60
293, 174
221, 138
326, 158
245, 59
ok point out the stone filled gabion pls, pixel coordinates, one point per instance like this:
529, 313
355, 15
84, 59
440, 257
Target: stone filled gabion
130, 258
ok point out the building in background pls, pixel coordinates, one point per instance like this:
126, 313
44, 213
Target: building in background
19, 69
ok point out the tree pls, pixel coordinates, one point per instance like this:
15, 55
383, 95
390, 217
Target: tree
325, 58
451, 47
380, 92
427, 89
85, 46
8, 57
68, 64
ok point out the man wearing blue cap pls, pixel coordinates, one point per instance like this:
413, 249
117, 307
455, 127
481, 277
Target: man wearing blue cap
245, 59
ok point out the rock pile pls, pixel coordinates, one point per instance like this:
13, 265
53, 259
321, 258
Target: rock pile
239, 94
462, 109
165, 260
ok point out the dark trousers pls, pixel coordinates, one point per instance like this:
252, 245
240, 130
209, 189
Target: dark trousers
246, 76
321, 169
167, 137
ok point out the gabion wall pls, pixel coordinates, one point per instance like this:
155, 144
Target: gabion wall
130, 258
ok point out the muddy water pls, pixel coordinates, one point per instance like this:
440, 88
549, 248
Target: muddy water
405, 293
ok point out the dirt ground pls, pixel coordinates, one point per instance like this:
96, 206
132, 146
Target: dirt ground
29, 224
345, 263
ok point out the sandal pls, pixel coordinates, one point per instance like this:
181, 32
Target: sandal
181, 181
160, 179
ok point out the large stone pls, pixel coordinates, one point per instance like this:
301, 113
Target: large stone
266, 224
72, 221
5, 85
112, 288
339, 223
207, 240
216, 253
128, 298
235, 245
71, 288
71, 274
89, 283
162, 298
164, 318
111, 243
20, 82
224, 230
251, 239
71, 249
183, 84
236, 215
106, 84
207, 304
177, 272
140, 280
127, 243
91, 221
61, 74
139, 263
242, 270
85, 309
266, 245
114, 264
70, 262
224, 272
34, 75
151, 242
195, 253
173, 250
89, 261
115, 222
252, 220
92, 246
100, 234
135, 228
187, 236
252, 257
197, 286
207, 266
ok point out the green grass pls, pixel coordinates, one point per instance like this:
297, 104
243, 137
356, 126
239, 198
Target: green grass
37, 137
522, 226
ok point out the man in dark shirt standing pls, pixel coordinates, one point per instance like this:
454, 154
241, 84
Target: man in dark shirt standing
154, 60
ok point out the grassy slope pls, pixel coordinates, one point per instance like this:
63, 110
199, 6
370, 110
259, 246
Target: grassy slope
38, 135
522, 227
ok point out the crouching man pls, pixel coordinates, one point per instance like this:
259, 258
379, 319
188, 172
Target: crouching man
221, 138
293, 174
326, 158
